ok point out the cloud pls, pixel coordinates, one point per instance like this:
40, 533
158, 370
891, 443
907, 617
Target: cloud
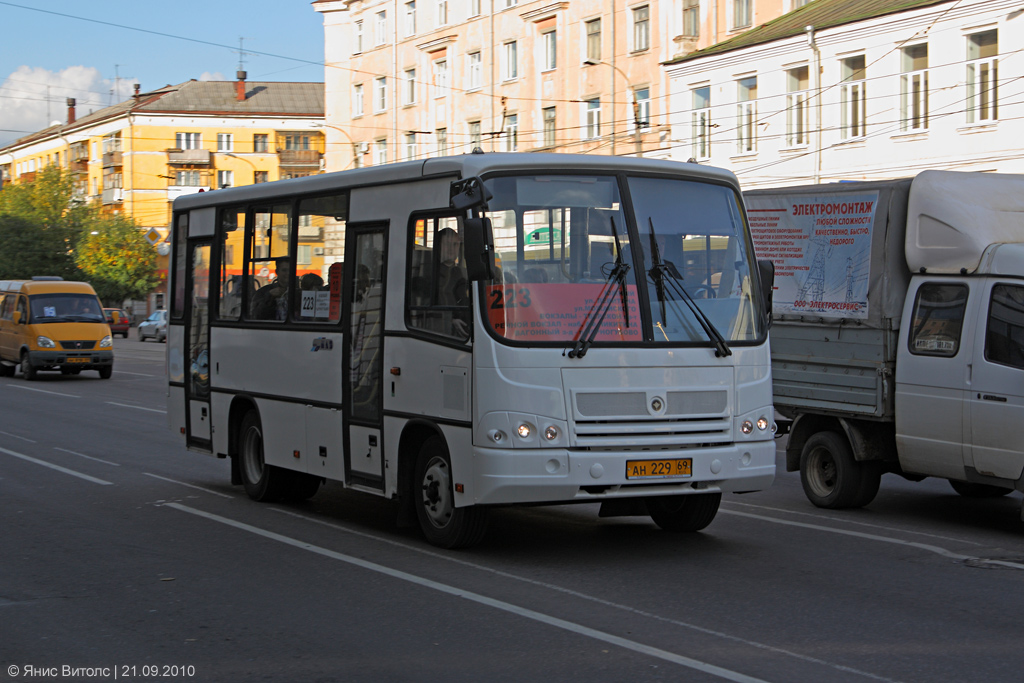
214, 76
31, 98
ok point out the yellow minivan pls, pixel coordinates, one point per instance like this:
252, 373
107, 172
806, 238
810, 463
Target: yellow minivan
47, 323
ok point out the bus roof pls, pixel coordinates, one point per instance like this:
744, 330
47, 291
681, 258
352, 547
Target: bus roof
465, 166
46, 287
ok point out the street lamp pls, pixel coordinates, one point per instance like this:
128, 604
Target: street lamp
637, 140
235, 156
355, 148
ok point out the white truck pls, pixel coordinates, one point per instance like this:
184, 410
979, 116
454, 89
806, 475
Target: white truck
898, 335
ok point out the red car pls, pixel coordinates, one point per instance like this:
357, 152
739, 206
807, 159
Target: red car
118, 321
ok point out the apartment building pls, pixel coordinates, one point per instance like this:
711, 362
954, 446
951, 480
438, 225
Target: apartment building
857, 89
406, 79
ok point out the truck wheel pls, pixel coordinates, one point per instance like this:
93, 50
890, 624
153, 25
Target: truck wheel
443, 524
26, 367
262, 482
831, 477
106, 371
691, 512
969, 489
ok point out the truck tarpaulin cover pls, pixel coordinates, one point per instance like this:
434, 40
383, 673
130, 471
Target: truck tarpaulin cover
831, 249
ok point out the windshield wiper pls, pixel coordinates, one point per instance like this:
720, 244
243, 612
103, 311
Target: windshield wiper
595, 316
659, 270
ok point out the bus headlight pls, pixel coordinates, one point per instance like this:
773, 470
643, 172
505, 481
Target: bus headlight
524, 430
747, 426
551, 433
107, 342
762, 423
45, 343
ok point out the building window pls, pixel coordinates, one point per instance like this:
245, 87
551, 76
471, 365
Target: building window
442, 12
440, 78
410, 18
225, 179
410, 146
409, 93
641, 28
185, 141
187, 178
260, 176
380, 28
508, 3
549, 59
225, 142
441, 135
701, 122
475, 138
357, 100
642, 96
260, 142
746, 114
691, 18
594, 40
475, 71
296, 141
380, 152
742, 12
380, 97
550, 130
512, 133
982, 76
509, 62
852, 93
914, 88
797, 107
593, 118
359, 37
474, 8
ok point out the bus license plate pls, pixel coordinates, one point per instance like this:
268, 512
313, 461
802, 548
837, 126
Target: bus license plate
78, 360
659, 469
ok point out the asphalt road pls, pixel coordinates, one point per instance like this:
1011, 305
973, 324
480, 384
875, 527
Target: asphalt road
122, 555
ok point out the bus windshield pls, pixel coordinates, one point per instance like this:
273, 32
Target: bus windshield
64, 307
572, 263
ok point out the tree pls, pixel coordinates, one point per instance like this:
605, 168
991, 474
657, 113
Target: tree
40, 224
118, 260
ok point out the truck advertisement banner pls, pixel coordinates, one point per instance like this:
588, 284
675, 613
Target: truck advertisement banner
821, 247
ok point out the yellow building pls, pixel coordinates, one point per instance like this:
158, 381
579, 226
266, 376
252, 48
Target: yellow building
137, 156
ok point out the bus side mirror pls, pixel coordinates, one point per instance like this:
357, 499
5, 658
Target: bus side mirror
766, 271
469, 194
478, 244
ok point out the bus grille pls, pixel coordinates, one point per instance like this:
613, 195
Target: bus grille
627, 420
75, 345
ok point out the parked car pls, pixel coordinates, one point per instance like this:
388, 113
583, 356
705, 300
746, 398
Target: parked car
155, 326
118, 321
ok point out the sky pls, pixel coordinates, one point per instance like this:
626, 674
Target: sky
95, 52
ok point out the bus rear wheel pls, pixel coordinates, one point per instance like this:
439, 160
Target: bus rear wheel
262, 482
443, 524
690, 512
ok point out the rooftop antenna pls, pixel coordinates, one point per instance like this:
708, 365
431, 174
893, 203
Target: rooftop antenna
242, 54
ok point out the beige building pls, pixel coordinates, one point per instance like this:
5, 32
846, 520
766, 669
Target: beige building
407, 79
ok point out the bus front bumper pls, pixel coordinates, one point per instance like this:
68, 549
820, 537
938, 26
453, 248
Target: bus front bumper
507, 476
84, 360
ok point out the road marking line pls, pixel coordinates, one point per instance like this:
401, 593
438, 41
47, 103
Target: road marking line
17, 437
175, 481
591, 598
43, 391
883, 539
483, 600
125, 372
83, 455
126, 405
853, 522
57, 467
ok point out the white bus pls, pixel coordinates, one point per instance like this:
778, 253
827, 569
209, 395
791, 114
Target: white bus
466, 332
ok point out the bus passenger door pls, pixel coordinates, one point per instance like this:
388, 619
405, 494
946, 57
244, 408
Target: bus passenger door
197, 351
363, 313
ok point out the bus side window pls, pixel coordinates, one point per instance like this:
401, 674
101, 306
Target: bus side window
438, 296
270, 267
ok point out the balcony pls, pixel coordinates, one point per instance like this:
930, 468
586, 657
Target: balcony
299, 157
80, 165
188, 157
112, 159
114, 195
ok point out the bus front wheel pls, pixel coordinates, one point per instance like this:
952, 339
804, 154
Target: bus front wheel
262, 482
443, 524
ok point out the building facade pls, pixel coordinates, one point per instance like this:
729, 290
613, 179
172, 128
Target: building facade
407, 79
136, 157
856, 90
